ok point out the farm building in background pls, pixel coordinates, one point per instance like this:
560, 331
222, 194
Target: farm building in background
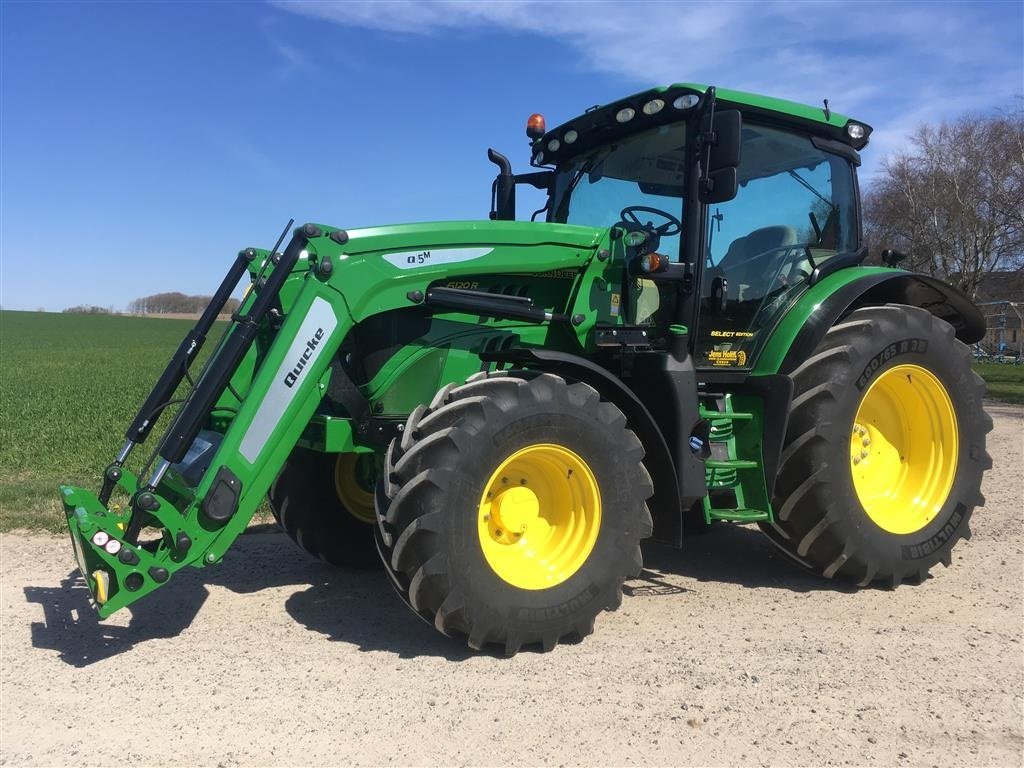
1001, 299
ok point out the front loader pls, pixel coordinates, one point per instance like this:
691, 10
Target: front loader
501, 411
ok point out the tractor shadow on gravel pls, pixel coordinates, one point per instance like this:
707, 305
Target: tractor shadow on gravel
353, 606
72, 628
729, 554
359, 607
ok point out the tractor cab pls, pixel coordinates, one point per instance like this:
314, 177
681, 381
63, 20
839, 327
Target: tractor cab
739, 213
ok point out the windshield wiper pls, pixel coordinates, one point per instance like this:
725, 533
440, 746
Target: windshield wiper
585, 167
810, 188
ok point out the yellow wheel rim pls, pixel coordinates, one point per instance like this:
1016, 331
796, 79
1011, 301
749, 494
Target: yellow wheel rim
540, 514
352, 482
903, 449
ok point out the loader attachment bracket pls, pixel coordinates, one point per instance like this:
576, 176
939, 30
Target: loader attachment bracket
116, 571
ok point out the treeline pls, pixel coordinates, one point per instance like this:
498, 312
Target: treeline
174, 303
89, 309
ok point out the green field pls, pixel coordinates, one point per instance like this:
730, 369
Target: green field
1005, 382
70, 385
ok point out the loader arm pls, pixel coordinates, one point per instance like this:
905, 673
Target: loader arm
196, 530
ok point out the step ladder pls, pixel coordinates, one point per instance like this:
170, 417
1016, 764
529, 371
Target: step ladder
725, 473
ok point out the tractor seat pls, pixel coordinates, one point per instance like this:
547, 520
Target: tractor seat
739, 266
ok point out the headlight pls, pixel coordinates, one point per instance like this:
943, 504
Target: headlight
654, 106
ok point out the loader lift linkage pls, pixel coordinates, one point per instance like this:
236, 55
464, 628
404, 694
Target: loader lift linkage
114, 538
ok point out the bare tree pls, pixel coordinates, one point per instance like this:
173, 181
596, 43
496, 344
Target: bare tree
954, 201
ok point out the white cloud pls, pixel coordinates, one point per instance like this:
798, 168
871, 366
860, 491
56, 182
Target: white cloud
891, 64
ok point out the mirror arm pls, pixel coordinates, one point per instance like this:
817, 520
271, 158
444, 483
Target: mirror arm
705, 141
537, 179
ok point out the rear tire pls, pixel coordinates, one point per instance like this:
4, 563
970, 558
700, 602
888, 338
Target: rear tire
306, 499
885, 500
475, 560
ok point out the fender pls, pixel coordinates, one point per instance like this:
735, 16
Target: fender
805, 325
666, 504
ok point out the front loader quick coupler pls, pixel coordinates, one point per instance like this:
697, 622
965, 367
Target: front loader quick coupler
116, 569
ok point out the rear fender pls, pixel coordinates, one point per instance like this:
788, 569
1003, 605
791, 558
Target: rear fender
807, 322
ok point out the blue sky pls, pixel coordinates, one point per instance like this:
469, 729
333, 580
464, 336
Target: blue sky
141, 144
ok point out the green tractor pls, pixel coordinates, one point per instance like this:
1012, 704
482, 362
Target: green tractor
501, 411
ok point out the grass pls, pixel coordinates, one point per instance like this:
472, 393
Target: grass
69, 386
1005, 382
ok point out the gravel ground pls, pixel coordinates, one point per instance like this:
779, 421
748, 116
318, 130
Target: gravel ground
721, 654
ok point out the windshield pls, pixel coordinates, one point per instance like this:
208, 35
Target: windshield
644, 169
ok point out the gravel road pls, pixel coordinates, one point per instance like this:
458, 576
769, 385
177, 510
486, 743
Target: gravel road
721, 654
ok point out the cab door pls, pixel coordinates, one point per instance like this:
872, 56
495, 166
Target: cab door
796, 207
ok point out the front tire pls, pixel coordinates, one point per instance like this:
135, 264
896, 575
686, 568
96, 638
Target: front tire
884, 451
323, 502
511, 510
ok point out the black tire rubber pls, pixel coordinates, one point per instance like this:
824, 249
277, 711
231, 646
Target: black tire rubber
306, 506
819, 520
429, 496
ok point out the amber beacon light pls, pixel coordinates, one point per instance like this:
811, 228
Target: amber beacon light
535, 126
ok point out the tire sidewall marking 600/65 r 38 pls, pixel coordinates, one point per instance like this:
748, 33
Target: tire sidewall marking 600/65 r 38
819, 517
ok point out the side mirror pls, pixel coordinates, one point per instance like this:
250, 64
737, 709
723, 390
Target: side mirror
728, 129
720, 182
720, 186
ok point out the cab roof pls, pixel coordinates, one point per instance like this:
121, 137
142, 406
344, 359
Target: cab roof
599, 124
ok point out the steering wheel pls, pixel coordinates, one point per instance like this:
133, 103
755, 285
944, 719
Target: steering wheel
790, 259
672, 225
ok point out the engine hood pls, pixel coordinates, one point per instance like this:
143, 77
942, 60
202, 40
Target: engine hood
377, 268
